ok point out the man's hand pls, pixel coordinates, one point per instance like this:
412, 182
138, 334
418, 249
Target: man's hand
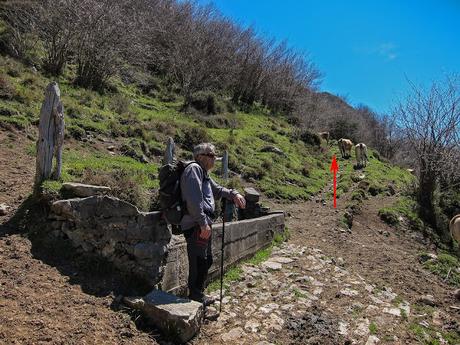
239, 201
205, 232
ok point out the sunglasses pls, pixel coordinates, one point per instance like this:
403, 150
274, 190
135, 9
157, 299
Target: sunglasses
211, 155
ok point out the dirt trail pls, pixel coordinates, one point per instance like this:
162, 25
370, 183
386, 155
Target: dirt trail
45, 296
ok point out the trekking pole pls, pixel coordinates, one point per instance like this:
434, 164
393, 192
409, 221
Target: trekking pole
224, 206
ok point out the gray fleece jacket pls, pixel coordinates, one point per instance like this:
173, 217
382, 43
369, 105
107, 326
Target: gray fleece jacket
198, 192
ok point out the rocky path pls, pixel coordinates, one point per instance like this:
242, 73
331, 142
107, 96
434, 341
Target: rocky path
327, 285
301, 295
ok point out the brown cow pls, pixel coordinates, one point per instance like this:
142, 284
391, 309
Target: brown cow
325, 136
345, 146
454, 227
361, 155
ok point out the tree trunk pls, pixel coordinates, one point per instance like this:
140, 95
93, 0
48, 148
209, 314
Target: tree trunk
50, 135
425, 197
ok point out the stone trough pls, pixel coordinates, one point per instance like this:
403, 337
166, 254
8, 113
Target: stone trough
141, 244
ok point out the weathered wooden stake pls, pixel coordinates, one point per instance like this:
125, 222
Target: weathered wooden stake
225, 166
169, 153
50, 135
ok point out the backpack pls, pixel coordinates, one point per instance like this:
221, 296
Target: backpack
170, 197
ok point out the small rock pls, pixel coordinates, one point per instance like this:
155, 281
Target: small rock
251, 284
252, 326
349, 292
281, 260
233, 335
268, 308
457, 294
392, 311
343, 328
275, 323
363, 328
428, 257
111, 148
226, 300
211, 314
3, 209
428, 300
372, 340
424, 323
273, 149
275, 266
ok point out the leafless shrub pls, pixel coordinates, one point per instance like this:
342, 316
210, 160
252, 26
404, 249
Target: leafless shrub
430, 124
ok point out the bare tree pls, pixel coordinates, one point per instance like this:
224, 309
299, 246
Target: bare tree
19, 38
430, 120
56, 23
105, 35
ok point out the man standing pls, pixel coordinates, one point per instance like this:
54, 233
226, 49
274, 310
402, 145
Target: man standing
198, 193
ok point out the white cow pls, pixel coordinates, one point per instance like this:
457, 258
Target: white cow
345, 146
454, 227
361, 155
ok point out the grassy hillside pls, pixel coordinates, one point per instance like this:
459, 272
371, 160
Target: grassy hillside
118, 138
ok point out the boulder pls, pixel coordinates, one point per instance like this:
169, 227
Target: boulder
170, 313
83, 190
251, 194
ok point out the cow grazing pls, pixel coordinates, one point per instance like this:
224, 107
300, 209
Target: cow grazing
361, 155
345, 146
454, 227
325, 136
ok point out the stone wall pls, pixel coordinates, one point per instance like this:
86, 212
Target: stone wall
135, 242
141, 243
242, 239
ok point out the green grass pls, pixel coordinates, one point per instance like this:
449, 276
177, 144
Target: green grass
405, 207
428, 336
299, 294
76, 162
373, 328
128, 114
445, 266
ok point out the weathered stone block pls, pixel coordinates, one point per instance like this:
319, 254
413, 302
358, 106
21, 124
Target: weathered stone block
83, 190
168, 312
251, 195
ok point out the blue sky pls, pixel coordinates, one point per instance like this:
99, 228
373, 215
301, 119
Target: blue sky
365, 49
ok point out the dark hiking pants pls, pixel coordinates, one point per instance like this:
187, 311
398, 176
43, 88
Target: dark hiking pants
199, 262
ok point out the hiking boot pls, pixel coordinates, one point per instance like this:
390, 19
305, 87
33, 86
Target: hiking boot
208, 300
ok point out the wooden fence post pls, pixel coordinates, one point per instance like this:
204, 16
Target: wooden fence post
225, 166
169, 153
50, 135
